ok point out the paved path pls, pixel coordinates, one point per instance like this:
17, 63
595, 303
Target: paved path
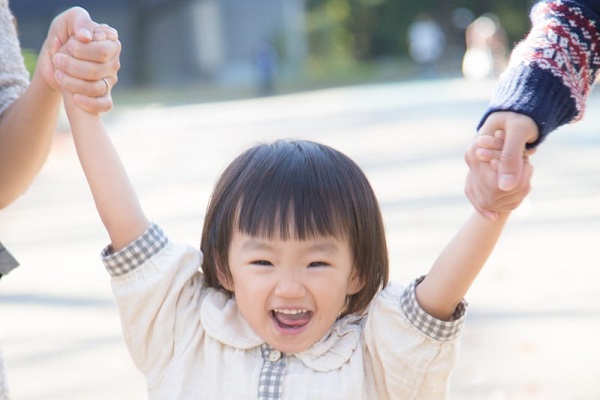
532, 331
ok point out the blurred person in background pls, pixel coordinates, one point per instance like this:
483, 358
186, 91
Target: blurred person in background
487, 48
29, 108
427, 42
265, 62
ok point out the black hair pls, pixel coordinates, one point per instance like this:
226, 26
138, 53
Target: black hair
297, 189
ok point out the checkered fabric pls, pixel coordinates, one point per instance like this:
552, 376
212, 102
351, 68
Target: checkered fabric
432, 327
7, 261
136, 253
271, 375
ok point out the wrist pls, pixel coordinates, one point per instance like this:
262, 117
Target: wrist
493, 216
43, 82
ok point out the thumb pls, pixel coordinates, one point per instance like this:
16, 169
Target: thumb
511, 162
80, 24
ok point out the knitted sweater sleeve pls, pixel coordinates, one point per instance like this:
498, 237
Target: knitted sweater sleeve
551, 72
14, 78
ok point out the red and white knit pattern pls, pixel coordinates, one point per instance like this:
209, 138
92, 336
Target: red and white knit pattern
566, 42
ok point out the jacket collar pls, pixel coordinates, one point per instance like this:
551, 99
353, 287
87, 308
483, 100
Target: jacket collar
223, 322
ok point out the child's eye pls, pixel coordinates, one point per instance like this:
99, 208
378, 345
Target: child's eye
263, 263
318, 264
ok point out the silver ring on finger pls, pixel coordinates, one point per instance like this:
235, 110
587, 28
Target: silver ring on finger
105, 80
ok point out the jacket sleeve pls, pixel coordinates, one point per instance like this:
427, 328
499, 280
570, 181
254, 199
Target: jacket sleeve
14, 78
409, 353
157, 287
551, 72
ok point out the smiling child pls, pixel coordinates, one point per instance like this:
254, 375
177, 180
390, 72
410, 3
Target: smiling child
288, 295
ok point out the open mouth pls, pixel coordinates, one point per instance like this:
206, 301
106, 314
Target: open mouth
291, 319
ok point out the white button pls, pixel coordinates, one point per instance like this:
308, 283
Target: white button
274, 355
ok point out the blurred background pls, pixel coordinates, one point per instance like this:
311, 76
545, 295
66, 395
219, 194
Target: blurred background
399, 86
241, 48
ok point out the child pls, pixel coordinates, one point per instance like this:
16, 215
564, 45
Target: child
288, 295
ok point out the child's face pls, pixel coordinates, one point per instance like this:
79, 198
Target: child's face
291, 292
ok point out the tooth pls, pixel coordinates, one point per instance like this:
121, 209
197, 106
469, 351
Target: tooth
290, 312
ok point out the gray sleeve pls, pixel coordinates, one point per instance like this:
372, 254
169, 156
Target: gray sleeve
7, 261
14, 78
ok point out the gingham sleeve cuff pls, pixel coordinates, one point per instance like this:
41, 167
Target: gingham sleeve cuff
136, 253
430, 326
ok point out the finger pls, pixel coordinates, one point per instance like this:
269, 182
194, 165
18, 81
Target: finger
478, 202
56, 44
516, 197
105, 32
487, 155
511, 162
74, 68
481, 187
489, 142
495, 164
527, 172
493, 123
531, 152
99, 36
97, 51
472, 195
91, 88
82, 25
497, 200
86, 70
515, 201
94, 105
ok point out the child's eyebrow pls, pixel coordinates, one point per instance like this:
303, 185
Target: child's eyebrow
254, 244
324, 246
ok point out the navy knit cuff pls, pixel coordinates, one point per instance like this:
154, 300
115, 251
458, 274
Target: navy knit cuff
536, 93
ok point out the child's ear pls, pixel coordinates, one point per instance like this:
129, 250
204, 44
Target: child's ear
355, 283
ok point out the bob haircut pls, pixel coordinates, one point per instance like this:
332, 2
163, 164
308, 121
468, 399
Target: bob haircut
297, 189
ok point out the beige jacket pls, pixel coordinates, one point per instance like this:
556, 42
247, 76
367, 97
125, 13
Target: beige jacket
192, 343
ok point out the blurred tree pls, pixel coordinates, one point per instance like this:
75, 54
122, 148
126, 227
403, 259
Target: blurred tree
366, 30
30, 57
330, 37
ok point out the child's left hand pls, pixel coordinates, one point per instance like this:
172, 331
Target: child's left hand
92, 94
483, 158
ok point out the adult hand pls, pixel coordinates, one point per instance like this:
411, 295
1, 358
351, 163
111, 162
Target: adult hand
519, 130
484, 158
89, 67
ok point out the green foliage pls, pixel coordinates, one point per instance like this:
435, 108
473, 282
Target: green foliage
329, 35
30, 58
342, 32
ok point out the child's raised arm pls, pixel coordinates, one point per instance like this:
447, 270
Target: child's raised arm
461, 261
115, 198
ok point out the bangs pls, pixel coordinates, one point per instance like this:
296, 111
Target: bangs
294, 190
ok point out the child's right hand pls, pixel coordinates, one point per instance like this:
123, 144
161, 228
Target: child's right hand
483, 158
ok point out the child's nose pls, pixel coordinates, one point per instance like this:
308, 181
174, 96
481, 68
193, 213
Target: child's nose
290, 285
